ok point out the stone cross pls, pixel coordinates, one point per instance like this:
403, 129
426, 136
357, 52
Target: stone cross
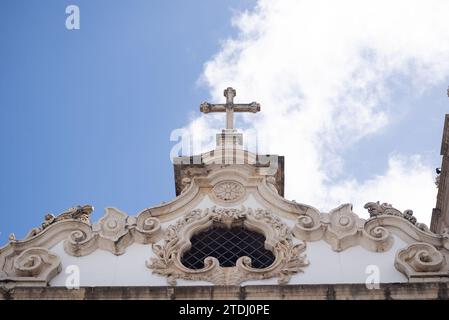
230, 107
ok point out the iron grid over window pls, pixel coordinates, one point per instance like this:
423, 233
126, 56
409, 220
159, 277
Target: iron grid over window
227, 245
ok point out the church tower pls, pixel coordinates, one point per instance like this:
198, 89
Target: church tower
440, 214
228, 234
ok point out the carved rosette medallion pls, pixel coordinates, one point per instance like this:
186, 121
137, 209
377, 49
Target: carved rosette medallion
228, 191
289, 257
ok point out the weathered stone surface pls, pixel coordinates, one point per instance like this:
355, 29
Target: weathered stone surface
440, 215
394, 291
185, 168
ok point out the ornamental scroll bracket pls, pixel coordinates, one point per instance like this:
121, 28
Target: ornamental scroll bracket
421, 261
114, 232
34, 266
79, 213
341, 228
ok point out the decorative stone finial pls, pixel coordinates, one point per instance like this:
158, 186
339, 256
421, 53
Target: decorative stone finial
376, 209
229, 107
80, 213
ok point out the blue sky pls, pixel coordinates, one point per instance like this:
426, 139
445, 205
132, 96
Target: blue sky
86, 115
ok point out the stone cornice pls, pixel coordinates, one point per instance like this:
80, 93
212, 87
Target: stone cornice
389, 291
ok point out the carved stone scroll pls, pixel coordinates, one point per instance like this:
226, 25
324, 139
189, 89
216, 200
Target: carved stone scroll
342, 228
375, 210
114, 232
289, 257
34, 266
421, 260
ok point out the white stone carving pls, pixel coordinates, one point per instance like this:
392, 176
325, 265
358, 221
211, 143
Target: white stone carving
114, 232
112, 226
36, 261
289, 257
421, 260
229, 191
80, 213
34, 266
185, 183
375, 209
342, 228
271, 182
147, 228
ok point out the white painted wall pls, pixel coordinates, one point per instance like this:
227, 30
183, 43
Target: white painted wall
102, 268
349, 266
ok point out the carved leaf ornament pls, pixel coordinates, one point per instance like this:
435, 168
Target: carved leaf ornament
289, 257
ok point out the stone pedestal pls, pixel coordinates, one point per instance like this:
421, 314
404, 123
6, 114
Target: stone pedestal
229, 138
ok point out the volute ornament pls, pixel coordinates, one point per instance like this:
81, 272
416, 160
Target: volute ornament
33, 266
421, 260
114, 232
341, 228
80, 213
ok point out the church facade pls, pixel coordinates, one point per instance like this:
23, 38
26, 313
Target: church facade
230, 234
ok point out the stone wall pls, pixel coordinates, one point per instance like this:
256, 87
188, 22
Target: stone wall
440, 214
423, 290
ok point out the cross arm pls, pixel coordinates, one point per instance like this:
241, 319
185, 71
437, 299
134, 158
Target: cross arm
207, 107
250, 107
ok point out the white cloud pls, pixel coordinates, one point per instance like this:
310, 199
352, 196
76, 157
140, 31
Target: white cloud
321, 71
407, 184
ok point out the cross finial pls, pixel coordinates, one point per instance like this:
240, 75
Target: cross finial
230, 107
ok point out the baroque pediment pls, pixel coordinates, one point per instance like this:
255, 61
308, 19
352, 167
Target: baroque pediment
224, 196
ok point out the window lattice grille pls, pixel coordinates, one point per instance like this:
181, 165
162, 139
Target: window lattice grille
227, 245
